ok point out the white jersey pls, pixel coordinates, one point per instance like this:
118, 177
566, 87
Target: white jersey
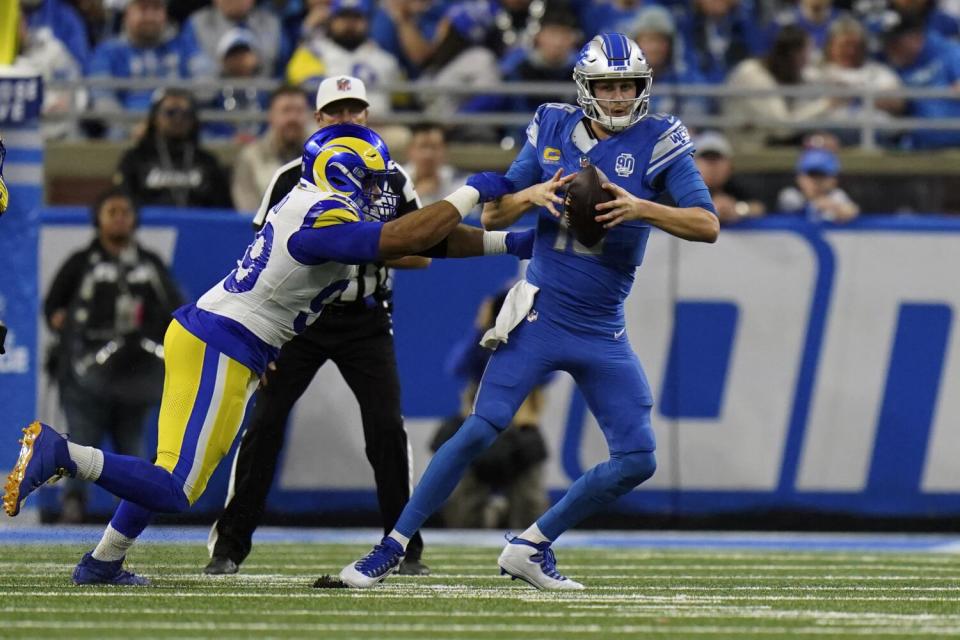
273, 294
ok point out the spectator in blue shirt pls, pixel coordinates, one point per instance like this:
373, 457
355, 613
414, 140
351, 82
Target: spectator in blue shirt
148, 48
656, 33
924, 59
64, 21
717, 35
406, 28
597, 16
936, 21
814, 17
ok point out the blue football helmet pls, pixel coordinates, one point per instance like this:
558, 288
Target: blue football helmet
353, 161
612, 56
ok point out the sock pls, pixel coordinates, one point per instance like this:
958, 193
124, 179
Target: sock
143, 483
595, 489
444, 472
534, 535
112, 546
399, 537
89, 461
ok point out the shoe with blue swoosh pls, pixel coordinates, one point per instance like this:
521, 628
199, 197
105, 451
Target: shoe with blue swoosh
43, 458
535, 564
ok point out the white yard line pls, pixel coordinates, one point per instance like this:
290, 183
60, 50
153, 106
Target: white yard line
428, 628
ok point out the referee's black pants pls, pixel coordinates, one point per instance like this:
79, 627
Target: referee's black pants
360, 342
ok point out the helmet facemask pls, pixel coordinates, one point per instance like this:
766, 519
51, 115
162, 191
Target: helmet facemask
380, 199
370, 189
612, 57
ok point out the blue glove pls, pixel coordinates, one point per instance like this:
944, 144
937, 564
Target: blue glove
491, 185
520, 243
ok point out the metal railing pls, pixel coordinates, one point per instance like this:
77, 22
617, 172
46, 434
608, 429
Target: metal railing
869, 122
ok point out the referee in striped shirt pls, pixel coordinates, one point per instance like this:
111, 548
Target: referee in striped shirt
355, 334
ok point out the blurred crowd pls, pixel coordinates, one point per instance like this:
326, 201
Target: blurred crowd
739, 46
868, 45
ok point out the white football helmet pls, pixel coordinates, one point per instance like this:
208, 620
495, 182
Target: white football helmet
612, 56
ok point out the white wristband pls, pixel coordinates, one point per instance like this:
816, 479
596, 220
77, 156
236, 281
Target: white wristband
464, 199
494, 243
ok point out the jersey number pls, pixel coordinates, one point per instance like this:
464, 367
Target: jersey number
565, 243
328, 293
245, 276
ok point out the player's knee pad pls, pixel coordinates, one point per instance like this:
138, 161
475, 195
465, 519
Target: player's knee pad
635, 468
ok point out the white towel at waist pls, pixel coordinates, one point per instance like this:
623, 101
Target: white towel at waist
515, 308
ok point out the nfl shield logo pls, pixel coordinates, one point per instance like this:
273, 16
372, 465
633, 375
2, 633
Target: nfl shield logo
624, 165
343, 84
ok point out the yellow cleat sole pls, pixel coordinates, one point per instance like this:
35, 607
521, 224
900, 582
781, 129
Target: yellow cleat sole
11, 489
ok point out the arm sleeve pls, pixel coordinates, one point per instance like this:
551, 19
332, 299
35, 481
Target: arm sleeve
525, 170
349, 243
672, 145
685, 185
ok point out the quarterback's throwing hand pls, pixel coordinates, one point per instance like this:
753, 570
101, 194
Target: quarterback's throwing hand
624, 206
545, 193
490, 184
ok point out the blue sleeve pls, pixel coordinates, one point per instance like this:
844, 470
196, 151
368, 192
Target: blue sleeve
70, 28
100, 61
194, 62
348, 243
685, 185
952, 62
525, 170
384, 33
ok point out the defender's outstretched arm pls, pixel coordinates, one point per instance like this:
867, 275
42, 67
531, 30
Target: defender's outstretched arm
420, 230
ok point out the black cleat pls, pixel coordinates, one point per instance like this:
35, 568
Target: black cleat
220, 565
411, 567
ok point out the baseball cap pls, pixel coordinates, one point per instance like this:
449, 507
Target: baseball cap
235, 39
711, 142
362, 7
341, 88
818, 161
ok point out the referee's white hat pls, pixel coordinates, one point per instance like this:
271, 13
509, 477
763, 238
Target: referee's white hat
341, 88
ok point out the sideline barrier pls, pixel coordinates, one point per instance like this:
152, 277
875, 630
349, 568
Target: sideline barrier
795, 366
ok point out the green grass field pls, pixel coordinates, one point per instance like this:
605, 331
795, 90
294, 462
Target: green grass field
631, 594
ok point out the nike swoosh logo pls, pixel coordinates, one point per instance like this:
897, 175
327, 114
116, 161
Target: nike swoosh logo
617, 334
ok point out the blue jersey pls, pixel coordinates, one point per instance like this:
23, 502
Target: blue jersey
586, 286
938, 65
176, 57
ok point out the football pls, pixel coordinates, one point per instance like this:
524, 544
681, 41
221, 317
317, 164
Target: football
584, 193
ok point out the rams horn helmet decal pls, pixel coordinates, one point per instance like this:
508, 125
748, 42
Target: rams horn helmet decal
353, 161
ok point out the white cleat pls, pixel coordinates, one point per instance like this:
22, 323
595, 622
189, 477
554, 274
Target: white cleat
375, 567
535, 564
